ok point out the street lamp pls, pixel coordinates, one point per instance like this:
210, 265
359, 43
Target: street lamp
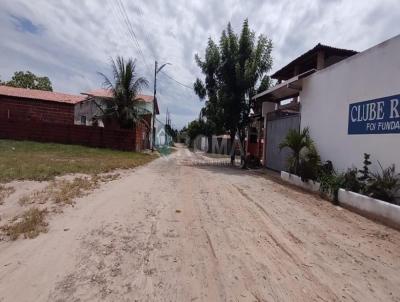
156, 71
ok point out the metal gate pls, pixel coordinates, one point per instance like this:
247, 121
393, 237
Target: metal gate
277, 128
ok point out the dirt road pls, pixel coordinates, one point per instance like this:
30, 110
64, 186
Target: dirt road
171, 231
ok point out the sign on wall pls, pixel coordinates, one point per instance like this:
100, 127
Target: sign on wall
379, 116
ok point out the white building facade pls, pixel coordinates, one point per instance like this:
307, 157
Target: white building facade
353, 107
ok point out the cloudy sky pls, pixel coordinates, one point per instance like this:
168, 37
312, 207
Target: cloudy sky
70, 41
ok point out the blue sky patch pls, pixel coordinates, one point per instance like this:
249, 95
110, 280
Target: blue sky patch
25, 25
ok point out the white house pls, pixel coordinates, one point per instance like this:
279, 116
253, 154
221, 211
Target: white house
342, 128
351, 107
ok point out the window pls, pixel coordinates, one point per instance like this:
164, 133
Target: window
83, 120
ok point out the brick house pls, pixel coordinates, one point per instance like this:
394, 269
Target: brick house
36, 105
58, 117
88, 112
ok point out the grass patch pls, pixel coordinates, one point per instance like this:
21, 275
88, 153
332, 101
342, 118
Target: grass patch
65, 191
30, 224
5, 192
25, 160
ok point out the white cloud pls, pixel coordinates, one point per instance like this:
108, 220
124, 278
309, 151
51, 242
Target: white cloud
77, 38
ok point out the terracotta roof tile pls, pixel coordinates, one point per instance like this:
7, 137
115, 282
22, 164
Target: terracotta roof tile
41, 95
105, 93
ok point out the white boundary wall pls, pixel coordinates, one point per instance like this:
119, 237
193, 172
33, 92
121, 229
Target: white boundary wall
325, 100
366, 206
309, 185
375, 208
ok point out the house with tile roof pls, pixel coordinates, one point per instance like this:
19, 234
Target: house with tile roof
91, 109
46, 116
90, 112
37, 105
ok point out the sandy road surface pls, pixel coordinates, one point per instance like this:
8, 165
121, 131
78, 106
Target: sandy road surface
175, 232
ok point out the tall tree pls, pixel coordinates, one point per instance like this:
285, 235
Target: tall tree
213, 109
197, 128
29, 80
265, 84
125, 86
233, 70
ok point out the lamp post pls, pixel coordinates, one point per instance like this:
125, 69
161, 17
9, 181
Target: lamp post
156, 71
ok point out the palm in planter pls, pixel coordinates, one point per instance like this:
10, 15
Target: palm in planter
125, 87
298, 142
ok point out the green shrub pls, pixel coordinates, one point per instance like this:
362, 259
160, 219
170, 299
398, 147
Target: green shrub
383, 185
326, 169
330, 181
304, 160
298, 142
351, 181
309, 164
330, 184
365, 174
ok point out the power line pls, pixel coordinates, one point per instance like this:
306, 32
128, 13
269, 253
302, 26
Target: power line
118, 15
171, 78
128, 23
132, 33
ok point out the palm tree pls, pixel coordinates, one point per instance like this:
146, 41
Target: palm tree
297, 141
125, 88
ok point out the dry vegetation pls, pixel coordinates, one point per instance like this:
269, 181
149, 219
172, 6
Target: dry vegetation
24, 160
65, 191
29, 224
56, 195
5, 192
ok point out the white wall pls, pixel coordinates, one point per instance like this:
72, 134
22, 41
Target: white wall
325, 100
266, 108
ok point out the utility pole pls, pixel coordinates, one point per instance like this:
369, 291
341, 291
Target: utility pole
156, 71
153, 132
166, 123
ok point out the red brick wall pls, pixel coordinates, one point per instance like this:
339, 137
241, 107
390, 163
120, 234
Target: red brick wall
36, 110
143, 133
68, 134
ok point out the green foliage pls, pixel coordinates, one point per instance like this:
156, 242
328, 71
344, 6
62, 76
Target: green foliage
29, 80
25, 160
297, 141
125, 87
365, 174
383, 185
351, 181
197, 128
232, 70
199, 89
265, 84
309, 164
330, 183
326, 168
171, 131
